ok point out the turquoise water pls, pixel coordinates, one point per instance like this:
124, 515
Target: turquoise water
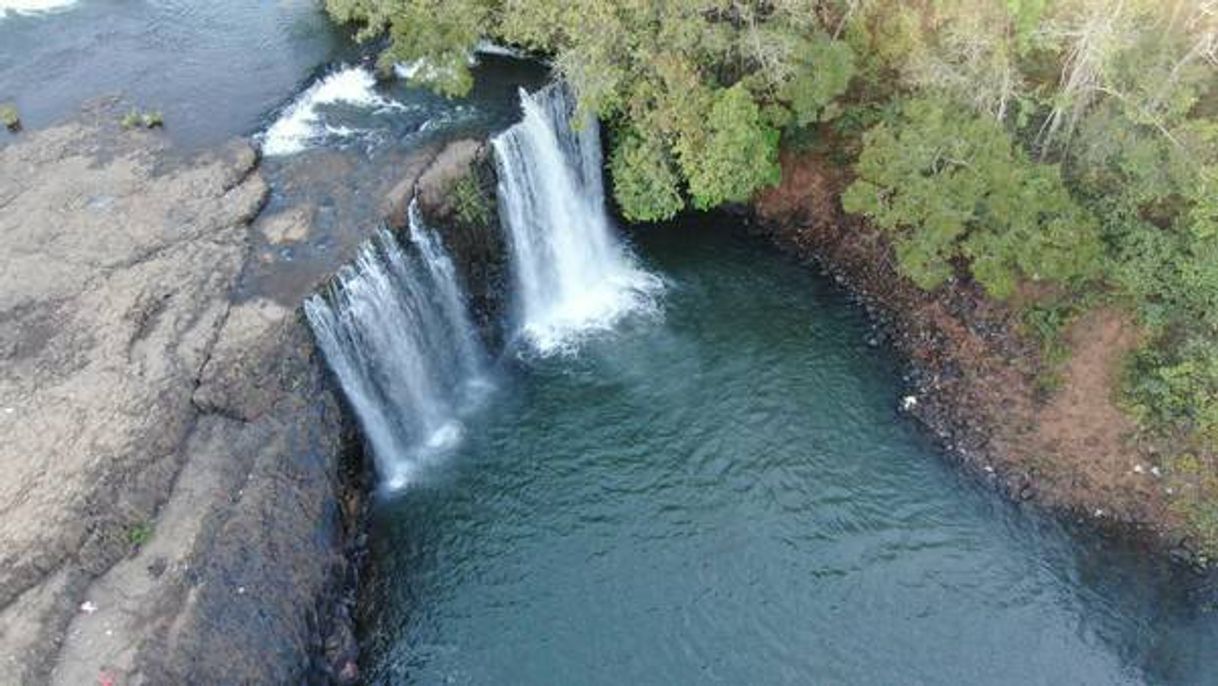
727, 495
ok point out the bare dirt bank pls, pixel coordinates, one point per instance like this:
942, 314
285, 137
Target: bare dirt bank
977, 378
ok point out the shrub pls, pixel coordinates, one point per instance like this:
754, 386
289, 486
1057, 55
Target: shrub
136, 119
9, 117
139, 534
469, 202
952, 185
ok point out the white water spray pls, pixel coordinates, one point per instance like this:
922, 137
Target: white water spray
573, 275
33, 7
394, 330
301, 125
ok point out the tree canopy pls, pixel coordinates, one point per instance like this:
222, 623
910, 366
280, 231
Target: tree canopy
695, 93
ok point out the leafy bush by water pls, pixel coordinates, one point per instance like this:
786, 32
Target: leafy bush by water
136, 119
9, 117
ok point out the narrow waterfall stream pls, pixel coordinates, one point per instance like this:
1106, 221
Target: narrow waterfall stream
572, 274
395, 330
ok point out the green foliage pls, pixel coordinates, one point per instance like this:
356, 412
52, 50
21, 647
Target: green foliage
1045, 322
823, 71
645, 184
952, 186
435, 37
470, 202
1196, 482
695, 93
139, 534
9, 117
1177, 386
1026, 16
737, 154
886, 36
136, 119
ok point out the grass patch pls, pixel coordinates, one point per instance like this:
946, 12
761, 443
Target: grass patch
137, 119
139, 534
9, 117
469, 202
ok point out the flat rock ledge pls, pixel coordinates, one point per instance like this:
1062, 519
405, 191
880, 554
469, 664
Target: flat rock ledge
173, 508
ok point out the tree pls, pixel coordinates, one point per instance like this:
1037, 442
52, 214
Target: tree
737, 154
952, 185
645, 183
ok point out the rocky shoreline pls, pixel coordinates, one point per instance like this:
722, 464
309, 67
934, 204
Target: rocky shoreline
975, 378
187, 494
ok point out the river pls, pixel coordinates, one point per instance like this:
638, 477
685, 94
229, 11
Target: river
715, 488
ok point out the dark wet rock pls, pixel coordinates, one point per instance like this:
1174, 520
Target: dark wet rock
171, 511
397, 201
460, 175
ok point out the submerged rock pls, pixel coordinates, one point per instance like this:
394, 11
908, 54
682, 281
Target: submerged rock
171, 459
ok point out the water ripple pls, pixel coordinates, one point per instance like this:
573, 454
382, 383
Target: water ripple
728, 497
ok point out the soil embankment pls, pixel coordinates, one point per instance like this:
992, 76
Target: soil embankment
977, 380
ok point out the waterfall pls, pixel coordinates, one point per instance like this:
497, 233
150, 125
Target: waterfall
394, 329
572, 274
394, 326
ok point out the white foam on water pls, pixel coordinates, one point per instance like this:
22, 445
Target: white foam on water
486, 47
446, 437
420, 69
574, 275
300, 126
423, 70
31, 7
396, 332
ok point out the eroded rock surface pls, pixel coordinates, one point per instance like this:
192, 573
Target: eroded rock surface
171, 508
457, 197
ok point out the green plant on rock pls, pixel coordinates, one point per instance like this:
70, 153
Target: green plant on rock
470, 203
137, 119
139, 534
9, 117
